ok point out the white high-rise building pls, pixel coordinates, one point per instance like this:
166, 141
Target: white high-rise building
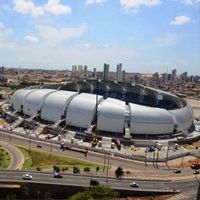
173, 77
105, 71
74, 68
85, 71
119, 72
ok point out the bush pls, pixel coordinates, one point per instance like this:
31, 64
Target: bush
65, 169
86, 169
38, 169
76, 170
97, 168
56, 168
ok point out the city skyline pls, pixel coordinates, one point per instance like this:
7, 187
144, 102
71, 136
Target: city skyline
145, 36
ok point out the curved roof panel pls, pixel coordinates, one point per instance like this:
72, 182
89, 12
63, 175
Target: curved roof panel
55, 104
148, 120
81, 110
111, 116
18, 97
183, 117
33, 101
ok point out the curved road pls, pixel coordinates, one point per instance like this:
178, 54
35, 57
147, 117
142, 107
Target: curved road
17, 158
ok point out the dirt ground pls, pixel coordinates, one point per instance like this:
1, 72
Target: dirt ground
2, 122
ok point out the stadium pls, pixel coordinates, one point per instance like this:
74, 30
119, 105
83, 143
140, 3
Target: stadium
121, 109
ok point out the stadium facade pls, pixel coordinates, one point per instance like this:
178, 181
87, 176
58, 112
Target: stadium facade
120, 107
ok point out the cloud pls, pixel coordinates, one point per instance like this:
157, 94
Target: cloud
52, 36
86, 45
105, 45
5, 33
166, 40
89, 2
27, 7
31, 39
54, 7
180, 20
134, 4
190, 2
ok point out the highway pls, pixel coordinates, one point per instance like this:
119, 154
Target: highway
78, 180
149, 178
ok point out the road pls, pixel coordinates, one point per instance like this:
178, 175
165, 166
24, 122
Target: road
148, 177
139, 168
76, 180
17, 158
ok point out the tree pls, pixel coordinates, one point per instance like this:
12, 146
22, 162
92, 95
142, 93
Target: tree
76, 170
96, 193
65, 169
38, 169
86, 169
119, 172
128, 173
56, 168
97, 169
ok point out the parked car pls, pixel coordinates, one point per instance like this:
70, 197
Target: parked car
134, 184
177, 171
196, 172
27, 177
195, 165
57, 175
39, 146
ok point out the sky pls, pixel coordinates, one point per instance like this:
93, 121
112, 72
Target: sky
146, 36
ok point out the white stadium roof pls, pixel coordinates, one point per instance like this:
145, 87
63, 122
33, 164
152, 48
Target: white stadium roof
79, 110
54, 106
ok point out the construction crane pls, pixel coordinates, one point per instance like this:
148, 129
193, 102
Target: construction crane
95, 133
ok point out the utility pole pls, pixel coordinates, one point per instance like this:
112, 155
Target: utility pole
166, 159
104, 162
29, 143
146, 156
182, 157
154, 153
146, 152
157, 157
51, 146
107, 168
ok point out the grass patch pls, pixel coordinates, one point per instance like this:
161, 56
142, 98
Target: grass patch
44, 160
5, 159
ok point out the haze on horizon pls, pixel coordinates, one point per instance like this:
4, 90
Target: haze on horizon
144, 35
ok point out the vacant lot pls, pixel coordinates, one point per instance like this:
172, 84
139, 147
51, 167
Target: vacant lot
44, 160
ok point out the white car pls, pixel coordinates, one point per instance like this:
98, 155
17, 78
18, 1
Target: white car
133, 184
27, 177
